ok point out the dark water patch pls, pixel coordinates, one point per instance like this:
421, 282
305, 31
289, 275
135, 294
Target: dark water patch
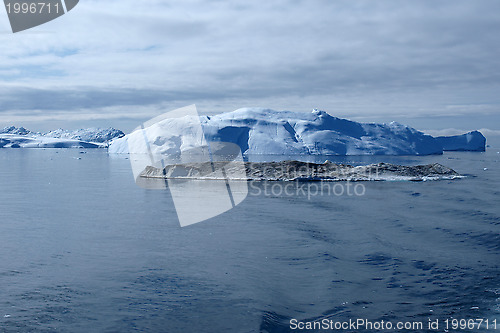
422, 265
490, 240
381, 260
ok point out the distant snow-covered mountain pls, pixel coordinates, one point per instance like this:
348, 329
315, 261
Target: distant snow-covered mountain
99, 135
269, 132
19, 137
15, 130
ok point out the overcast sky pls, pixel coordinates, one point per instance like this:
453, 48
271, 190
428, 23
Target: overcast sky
431, 64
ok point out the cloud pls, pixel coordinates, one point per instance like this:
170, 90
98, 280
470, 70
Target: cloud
362, 58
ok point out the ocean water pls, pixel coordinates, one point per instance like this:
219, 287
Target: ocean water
83, 249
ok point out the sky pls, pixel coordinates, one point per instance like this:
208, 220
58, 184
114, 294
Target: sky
431, 64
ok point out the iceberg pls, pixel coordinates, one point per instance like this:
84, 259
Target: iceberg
259, 131
19, 137
472, 141
21, 141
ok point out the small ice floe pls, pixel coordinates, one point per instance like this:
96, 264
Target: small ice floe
6, 316
485, 169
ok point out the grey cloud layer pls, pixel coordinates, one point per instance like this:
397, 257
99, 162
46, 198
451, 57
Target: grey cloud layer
429, 54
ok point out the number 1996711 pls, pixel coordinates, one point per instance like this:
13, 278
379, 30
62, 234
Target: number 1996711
32, 8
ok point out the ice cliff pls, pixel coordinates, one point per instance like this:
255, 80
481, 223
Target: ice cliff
269, 132
472, 141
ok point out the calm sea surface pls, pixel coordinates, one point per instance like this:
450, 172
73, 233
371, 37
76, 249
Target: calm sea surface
83, 249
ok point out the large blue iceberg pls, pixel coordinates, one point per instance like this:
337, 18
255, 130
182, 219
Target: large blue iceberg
267, 132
